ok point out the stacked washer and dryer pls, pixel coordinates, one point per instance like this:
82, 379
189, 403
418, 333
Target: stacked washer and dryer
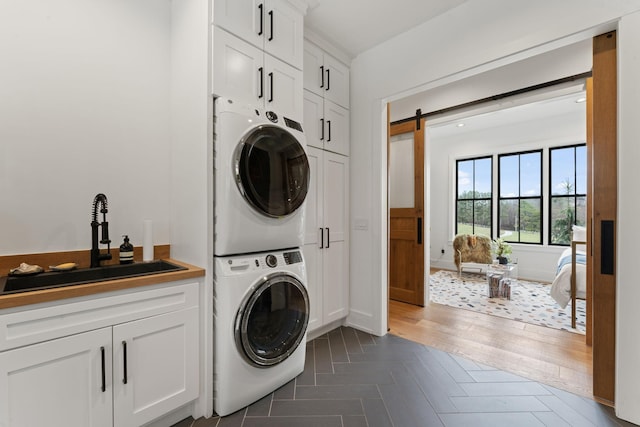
261, 304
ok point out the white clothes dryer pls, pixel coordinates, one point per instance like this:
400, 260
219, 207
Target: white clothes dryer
261, 312
261, 180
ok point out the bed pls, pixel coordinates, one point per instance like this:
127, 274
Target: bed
570, 282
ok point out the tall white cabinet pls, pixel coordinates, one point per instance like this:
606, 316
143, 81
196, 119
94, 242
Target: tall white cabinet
258, 53
326, 125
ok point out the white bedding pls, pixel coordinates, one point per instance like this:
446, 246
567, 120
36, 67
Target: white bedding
561, 286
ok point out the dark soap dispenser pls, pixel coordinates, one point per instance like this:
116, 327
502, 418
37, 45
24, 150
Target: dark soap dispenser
126, 251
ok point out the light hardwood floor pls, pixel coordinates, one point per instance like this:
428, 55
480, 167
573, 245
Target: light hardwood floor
558, 358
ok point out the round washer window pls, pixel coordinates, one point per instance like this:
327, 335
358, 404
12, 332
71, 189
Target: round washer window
272, 321
272, 171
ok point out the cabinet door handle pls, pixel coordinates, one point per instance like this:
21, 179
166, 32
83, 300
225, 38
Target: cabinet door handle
329, 124
321, 238
322, 129
271, 24
261, 9
321, 76
261, 81
124, 362
271, 87
328, 79
104, 374
328, 238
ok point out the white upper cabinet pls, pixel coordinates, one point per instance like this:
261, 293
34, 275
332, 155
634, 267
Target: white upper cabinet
325, 75
326, 124
275, 26
246, 74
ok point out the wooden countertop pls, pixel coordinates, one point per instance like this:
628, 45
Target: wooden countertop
53, 294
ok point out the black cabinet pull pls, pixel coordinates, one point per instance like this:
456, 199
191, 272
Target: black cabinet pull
322, 127
271, 87
271, 22
419, 231
328, 238
104, 374
321, 238
329, 124
261, 8
322, 76
261, 78
124, 361
328, 79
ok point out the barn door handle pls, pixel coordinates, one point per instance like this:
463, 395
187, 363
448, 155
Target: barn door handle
124, 360
419, 230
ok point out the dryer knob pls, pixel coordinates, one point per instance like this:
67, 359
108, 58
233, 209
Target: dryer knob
272, 116
271, 260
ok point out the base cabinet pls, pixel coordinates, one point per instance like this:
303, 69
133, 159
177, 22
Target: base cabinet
123, 375
57, 383
326, 248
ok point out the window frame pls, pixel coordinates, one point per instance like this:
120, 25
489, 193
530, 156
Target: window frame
575, 194
520, 198
474, 199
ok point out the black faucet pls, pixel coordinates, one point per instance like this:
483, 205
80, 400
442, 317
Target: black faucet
96, 256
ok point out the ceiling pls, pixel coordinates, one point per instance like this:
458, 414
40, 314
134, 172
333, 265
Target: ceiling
358, 25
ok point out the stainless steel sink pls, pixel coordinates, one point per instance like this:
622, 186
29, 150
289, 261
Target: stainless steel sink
14, 284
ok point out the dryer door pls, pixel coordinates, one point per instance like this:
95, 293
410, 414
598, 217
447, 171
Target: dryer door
272, 171
272, 320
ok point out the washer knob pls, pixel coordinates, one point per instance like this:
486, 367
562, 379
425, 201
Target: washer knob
272, 116
271, 260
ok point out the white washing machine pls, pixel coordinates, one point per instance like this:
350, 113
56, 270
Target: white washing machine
261, 180
261, 312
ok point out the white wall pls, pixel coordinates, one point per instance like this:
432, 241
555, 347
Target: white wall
470, 39
84, 90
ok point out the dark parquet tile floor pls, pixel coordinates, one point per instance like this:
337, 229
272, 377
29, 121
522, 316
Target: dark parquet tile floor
353, 379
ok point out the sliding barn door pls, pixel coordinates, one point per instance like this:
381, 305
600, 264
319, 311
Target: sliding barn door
604, 174
406, 212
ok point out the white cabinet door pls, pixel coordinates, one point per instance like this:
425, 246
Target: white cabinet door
314, 232
336, 132
244, 18
326, 248
336, 81
326, 124
238, 71
155, 366
313, 123
60, 383
336, 222
283, 32
325, 75
283, 88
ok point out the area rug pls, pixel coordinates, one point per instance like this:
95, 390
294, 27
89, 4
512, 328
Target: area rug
530, 301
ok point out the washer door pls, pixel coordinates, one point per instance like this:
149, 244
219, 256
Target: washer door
272, 320
272, 171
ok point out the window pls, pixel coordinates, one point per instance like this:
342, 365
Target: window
520, 197
473, 196
568, 190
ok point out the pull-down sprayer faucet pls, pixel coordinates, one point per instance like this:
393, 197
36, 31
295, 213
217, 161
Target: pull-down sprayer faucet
96, 256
